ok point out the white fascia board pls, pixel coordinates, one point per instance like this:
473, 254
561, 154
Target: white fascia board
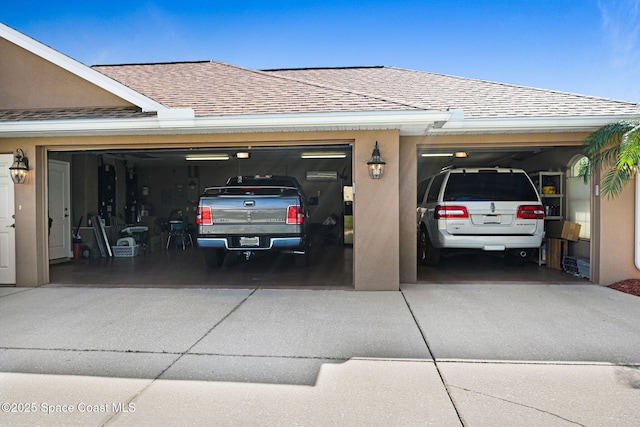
533, 124
413, 122
79, 69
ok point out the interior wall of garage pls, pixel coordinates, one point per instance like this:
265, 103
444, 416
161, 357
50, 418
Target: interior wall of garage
168, 187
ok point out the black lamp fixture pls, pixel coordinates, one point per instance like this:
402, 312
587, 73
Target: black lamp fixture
19, 168
376, 164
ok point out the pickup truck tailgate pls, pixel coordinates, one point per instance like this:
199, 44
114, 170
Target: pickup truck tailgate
240, 214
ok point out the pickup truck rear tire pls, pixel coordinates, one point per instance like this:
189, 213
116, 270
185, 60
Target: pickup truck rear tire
214, 257
427, 254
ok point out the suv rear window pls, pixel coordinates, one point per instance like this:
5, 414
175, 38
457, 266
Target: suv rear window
490, 186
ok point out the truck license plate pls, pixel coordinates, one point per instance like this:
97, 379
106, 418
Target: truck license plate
249, 241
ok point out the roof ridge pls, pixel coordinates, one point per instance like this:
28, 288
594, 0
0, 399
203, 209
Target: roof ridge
339, 89
151, 63
348, 67
516, 85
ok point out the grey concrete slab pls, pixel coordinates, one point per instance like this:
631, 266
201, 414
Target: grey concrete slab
321, 324
9, 290
247, 369
502, 394
528, 322
96, 363
160, 320
358, 392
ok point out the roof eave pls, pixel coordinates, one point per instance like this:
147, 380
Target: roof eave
460, 125
407, 122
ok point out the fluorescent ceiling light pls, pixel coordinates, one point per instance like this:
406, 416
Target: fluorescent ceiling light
319, 155
436, 154
207, 157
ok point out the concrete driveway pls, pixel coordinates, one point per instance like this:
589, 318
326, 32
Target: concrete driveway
430, 354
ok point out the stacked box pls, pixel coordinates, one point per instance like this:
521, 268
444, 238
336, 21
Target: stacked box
562, 230
556, 250
576, 266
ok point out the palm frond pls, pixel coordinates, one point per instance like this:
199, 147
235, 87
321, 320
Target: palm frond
629, 155
615, 148
614, 181
610, 134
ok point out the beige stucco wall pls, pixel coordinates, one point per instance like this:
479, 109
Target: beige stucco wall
30, 82
376, 203
616, 249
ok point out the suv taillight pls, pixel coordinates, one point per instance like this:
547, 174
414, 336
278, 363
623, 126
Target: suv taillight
295, 214
446, 212
531, 212
204, 216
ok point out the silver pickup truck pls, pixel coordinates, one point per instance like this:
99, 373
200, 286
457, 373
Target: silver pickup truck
251, 214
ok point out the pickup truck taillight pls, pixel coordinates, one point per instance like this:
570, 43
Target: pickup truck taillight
204, 216
531, 212
447, 212
295, 214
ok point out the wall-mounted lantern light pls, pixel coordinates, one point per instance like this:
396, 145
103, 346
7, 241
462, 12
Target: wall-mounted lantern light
376, 164
19, 168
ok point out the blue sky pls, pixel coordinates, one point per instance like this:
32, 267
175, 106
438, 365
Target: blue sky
589, 47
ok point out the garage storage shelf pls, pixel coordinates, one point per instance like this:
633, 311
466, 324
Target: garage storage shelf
550, 186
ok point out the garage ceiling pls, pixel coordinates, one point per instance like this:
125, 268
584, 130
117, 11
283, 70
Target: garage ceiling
175, 157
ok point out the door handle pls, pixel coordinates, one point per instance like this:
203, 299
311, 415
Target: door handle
12, 226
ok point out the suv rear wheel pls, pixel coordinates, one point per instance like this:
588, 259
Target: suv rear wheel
427, 254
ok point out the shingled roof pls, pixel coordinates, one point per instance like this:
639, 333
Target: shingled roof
215, 89
477, 98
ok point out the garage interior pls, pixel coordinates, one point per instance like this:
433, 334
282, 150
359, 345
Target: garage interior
149, 186
482, 267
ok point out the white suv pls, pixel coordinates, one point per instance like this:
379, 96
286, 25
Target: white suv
490, 209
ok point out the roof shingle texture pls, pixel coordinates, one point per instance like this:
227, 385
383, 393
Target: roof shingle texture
214, 88
477, 98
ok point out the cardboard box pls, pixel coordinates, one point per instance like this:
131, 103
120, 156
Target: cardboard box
556, 250
562, 230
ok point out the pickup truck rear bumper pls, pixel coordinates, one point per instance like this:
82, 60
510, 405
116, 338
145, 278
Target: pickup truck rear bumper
266, 243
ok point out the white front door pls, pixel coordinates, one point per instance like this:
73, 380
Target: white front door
7, 223
59, 210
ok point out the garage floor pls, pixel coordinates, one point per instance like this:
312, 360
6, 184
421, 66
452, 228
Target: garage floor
483, 267
330, 267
